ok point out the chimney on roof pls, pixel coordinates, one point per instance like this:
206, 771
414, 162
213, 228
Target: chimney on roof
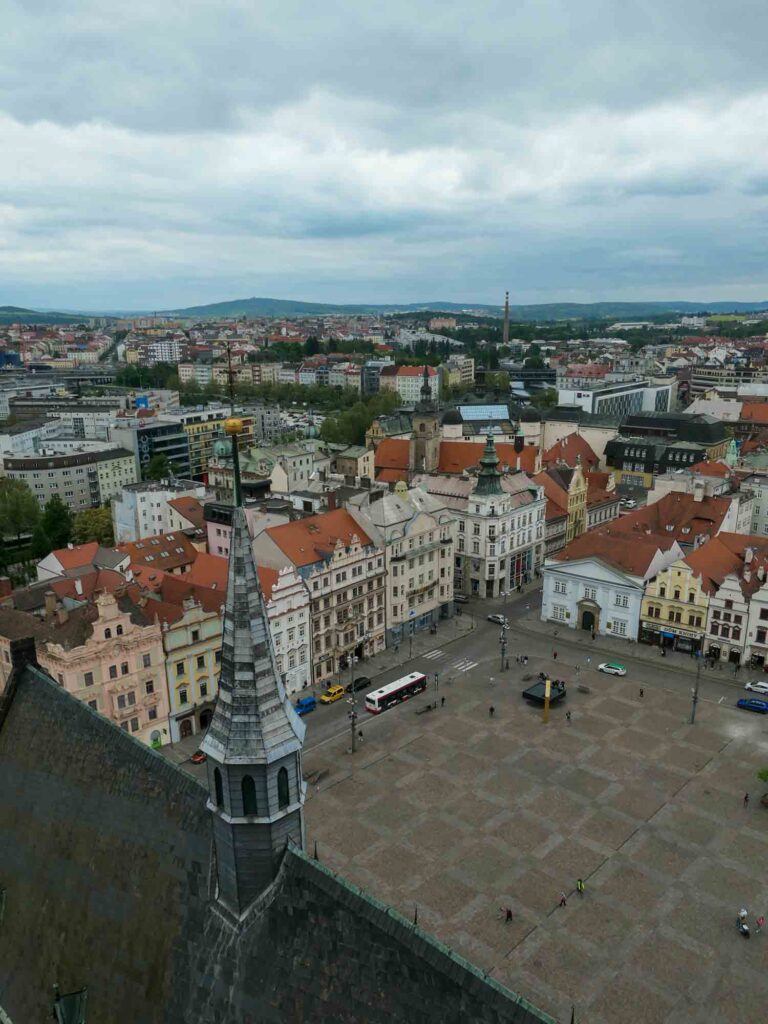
761, 573
749, 554
698, 490
78, 585
50, 604
70, 546
62, 614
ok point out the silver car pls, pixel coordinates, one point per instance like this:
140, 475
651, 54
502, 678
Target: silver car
758, 687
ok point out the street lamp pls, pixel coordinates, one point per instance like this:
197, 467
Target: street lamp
695, 688
503, 644
353, 696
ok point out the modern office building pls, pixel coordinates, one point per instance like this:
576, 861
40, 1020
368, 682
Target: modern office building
622, 399
82, 479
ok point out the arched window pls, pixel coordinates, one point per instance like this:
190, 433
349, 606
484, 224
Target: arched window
107, 634
283, 798
219, 787
119, 631
248, 787
422, 427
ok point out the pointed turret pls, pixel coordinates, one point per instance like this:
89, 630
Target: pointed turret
489, 477
505, 332
426, 390
254, 741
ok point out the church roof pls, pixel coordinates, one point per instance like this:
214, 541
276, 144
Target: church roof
114, 842
253, 722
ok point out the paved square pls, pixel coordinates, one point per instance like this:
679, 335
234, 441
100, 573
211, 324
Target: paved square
460, 814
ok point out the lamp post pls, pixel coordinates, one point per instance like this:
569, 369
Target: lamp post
503, 645
695, 689
352, 695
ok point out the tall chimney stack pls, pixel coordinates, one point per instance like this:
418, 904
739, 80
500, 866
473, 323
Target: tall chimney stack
505, 335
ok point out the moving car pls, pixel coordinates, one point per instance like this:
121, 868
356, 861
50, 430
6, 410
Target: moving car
461, 599
613, 668
199, 757
332, 694
628, 503
361, 683
304, 705
753, 704
758, 687
501, 619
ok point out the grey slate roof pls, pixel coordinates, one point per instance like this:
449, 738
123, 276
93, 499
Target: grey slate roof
254, 722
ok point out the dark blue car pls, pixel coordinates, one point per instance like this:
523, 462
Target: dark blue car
753, 704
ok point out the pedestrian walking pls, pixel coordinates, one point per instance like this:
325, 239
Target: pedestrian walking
508, 915
579, 886
746, 799
759, 922
589, 661
491, 711
567, 716
554, 655
593, 634
360, 735
442, 702
642, 693
525, 659
563, 900
578, 669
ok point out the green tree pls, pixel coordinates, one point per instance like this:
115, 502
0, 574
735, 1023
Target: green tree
158, 468
57, 523
40, 546
19, 510
311, 346
545, 399
94, 524
534, 363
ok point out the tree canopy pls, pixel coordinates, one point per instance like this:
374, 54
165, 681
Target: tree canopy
94, 524
350, 426
159, 467
19, 510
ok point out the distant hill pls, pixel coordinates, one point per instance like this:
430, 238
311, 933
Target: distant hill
255, 307
19, 315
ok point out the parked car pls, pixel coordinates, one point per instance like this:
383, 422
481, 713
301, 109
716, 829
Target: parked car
612, 668
753, 704
361, 683
304, 705
629, 503
333, 693
199, 757
460, 598
758, 686
500, 619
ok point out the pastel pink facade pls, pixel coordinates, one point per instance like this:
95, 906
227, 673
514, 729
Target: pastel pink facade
119, 671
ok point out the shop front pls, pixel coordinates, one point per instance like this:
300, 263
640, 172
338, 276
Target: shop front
669, 637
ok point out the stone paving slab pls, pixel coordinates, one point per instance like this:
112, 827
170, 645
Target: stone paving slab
462, 815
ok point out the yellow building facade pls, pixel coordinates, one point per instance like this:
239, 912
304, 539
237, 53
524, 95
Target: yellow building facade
674, 609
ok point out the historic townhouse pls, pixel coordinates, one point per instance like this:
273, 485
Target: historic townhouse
192, 645
417, 532
288, 612
674, 610
344, 572
500, 526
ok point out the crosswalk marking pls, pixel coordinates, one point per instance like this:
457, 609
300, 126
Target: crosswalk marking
434, 655
464, 665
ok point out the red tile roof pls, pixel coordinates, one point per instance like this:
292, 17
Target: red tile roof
726, 554
80, 554
755, 412
679, 516
706, 468
568, 449
90, 583
415, 371
457, 456
165, 551
189, 509
391, 476
267, 578
310, 540
209, 571
392, 453
627, 552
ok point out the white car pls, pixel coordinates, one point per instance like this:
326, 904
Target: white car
613, 668
758, 687
500, 619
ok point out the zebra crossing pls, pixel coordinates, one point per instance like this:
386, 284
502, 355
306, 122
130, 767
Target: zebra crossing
460, 665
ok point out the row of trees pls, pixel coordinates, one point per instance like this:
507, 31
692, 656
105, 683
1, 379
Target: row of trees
52, 527
349, 427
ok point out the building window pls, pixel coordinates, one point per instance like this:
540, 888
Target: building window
88, 678
134, 725
93, 705
124, 668
590, 593
131, 698
248, 787
218, 787
559, 612
179, 668
113, 671
561, 587
620, 628
182, 696
622, 601
121, 701
283, 796
201, 661
195, 635
662, 591
203, 689
146, 660
149, 686
107, 634
217, 657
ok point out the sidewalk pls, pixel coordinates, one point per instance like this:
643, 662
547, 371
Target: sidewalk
607, 647
457, 628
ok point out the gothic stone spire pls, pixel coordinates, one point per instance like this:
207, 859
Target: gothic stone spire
256, 792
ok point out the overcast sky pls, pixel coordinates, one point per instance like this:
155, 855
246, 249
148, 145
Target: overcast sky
173, 152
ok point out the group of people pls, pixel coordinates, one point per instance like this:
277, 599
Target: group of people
506, 912
743, 924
